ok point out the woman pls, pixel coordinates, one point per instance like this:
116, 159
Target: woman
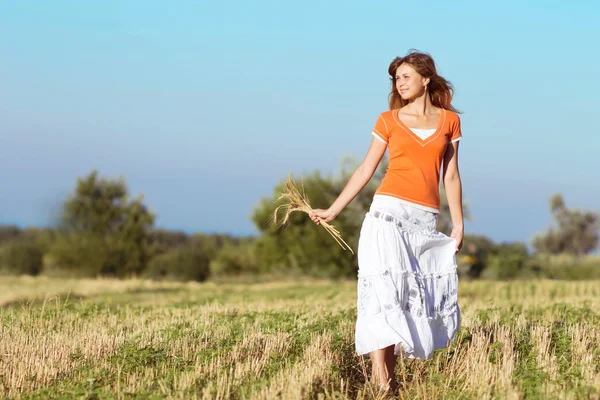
407, 281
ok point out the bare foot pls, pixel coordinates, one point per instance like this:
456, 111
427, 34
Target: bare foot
389, 386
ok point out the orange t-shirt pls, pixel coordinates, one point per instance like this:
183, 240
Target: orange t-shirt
413, 174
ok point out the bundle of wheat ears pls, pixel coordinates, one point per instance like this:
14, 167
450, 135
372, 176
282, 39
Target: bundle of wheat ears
297, 201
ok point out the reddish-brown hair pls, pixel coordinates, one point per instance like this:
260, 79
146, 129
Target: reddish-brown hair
440, 90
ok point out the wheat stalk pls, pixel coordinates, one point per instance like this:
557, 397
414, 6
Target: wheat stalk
298, 201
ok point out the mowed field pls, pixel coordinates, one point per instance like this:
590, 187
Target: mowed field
90, 339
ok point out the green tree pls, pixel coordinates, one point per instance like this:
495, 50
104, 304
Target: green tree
302, 247
576, 232
103, 231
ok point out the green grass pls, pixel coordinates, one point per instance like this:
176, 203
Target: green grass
138, 339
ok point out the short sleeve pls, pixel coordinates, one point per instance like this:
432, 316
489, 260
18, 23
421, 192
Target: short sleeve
455, 130
380, 131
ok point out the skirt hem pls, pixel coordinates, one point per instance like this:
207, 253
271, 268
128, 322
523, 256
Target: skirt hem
402, 347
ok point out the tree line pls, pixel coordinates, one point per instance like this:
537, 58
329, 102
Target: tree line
103, 231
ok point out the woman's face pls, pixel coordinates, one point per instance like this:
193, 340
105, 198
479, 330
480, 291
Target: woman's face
409, 83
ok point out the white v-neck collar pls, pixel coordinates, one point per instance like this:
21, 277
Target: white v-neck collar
431, 137
423, 134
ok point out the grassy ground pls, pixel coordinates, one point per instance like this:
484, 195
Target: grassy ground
138, 339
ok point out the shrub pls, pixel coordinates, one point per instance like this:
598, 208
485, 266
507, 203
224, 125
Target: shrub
21, 258
8, 233
235, 260
82, 255
565, 266
506, 261
162, 240
187, 263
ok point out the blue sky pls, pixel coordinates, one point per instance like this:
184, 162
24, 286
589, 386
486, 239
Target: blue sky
204, 106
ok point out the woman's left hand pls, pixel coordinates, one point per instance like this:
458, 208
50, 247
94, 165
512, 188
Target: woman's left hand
458, 233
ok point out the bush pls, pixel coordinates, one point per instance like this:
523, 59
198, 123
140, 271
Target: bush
42, 238
21, 258
8, 233
212, 244
474, 255
235, 260
565, 266
183, 264
83, 255
162, 240
506, 261
576, 272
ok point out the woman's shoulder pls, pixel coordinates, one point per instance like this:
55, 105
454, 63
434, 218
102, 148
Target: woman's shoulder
451, 115
387, 115
452, 120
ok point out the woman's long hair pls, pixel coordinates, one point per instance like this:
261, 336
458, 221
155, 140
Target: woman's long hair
440, 90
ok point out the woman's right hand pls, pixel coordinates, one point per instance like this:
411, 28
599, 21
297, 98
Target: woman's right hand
325, 215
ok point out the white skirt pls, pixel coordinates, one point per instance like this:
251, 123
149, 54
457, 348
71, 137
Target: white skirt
407, 281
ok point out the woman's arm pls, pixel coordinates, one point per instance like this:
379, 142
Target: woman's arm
359, 179
453, 187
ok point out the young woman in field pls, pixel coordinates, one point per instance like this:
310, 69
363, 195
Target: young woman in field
407, 280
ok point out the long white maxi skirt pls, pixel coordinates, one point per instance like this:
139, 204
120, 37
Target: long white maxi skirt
407, 281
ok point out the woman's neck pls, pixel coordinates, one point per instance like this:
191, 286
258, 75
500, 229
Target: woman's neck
420, 106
